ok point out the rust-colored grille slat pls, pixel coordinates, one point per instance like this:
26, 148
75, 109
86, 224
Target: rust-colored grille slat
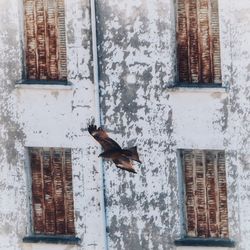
31, 47
48, 192
190, 193
53, 206
37, 191
215, 37
41, 39
200, 196
206, 76
193, 42
223, 212
52, 40
62, 40
45, 39
212, 194
182, 43
69, 209
206, 196
59, 191
198, 44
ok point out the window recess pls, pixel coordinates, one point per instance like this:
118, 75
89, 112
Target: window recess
205, 193
52, 192
198, 42
45, 41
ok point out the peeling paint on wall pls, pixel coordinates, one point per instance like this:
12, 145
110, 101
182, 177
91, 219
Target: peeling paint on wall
137, 64
131, 46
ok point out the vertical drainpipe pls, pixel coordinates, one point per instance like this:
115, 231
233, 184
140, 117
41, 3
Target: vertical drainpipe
98, 115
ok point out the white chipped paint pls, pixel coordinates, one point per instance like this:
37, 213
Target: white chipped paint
161, 121
143, 210
49, 117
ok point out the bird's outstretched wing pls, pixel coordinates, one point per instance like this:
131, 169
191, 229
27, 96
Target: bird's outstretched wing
131, 153
102, 137
125, 164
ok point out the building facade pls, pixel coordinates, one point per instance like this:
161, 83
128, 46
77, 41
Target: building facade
67, 64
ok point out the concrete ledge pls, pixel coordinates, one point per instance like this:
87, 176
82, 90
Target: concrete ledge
49, 82
62, 239
197, 85
197, 88
189, 248
43, 84
208, 242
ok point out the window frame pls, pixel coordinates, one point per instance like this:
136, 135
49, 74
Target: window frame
67, 238
186, 240
53, 82
182, 180
180, 84
204, 153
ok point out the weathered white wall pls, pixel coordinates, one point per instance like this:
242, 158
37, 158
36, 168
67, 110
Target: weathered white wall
36, 246
12, 179
48, 116
237, 139
136, 55
136, 48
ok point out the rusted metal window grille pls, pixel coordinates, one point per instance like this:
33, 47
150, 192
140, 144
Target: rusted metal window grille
205, 193
45, 39
198, 42
52, 194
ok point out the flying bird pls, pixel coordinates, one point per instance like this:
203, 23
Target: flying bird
121, 157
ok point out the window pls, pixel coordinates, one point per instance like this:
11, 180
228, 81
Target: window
205, 193
52, 194
45, 40
198, 43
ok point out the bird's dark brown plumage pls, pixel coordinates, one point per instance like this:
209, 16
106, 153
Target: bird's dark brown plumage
121, 157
